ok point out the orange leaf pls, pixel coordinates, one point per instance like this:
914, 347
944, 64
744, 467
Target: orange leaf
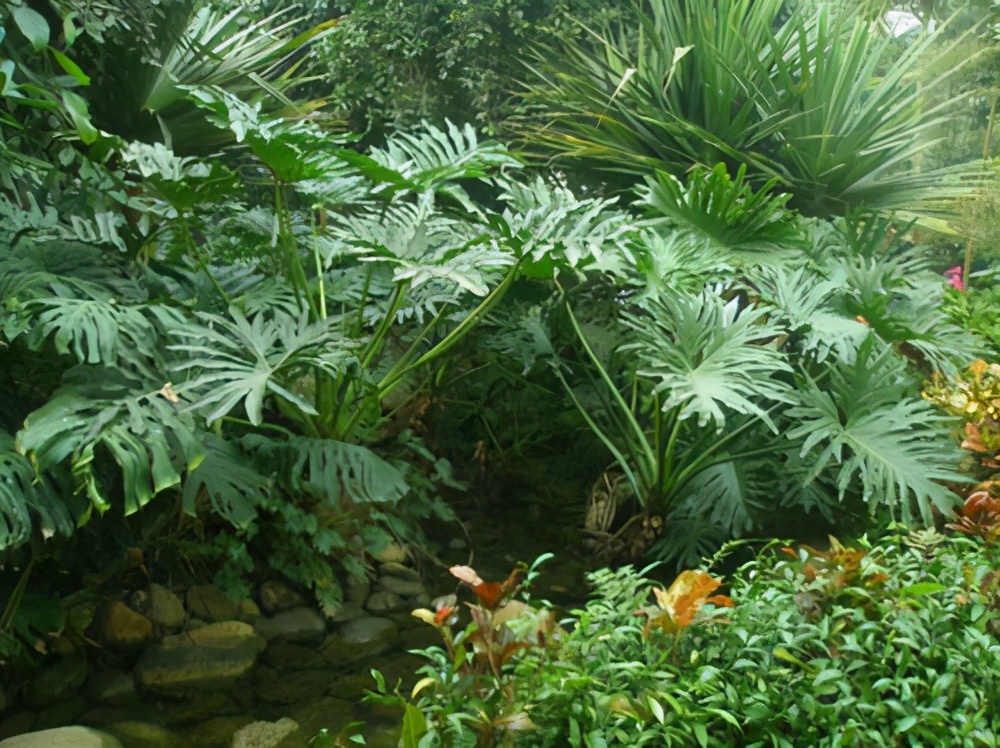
490, 594
686, 595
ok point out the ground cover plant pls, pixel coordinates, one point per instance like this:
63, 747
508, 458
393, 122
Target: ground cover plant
886, 643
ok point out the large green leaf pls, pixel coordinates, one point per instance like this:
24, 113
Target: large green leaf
227, 480
28, 500
240, 361
140, 429
867, 426
342, 474
707, 356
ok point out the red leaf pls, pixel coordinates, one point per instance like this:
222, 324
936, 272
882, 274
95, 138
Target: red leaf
490, 594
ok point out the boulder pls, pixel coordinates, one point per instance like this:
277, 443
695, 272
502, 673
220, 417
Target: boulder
271, 687
393, 569
165, 608
263, 734
203, 708
146, 735
357, 590
300, 624
61, 713
347, 612
209, 659
57, 682
17, 723
118, 627
111, 688
358, 639
63, 737
402, 587
217, 733
384, 602
248, 610
208, 602
275, 597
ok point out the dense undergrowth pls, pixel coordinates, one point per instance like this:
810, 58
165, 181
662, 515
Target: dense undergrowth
238, 339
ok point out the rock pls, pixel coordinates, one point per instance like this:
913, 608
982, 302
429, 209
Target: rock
62, 713
146, 735
294, 625
392, 553
317, 714
112, 688
102, 716
272, 687
357, 590
393, 569
217, 733
248, 610
263, 734
358, 639
206, 601
209, 659
17, 723
348, 612
63, 737
275, 597
202, 708
351, 687
384, 602
118, 627
165, 608
285, 656
402, 587
58, 682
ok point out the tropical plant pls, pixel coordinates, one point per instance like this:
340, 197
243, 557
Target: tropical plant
803, 102
743, 381
854, 646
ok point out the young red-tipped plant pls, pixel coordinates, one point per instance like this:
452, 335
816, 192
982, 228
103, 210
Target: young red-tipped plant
677, 607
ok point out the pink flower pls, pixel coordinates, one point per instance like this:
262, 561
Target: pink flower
954, 276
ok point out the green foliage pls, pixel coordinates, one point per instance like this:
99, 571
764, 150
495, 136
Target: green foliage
681, 85
892, 643
393, 63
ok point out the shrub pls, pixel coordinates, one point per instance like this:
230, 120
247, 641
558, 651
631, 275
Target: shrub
891, 643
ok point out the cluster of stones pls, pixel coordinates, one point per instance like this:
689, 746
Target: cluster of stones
196, 669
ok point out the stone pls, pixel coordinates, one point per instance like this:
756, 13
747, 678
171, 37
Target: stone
358, 639
62, 713
275, 597
286, 656
119, 628
271, 687
295, 625
17, 723
202, 708
348, 612
357, 590
392, 553
248, 610
384, 602
63, 737
112, 688
393, 569
402, 587
208, 602
146, 735
102, 716
165, 608
317, 714
263, 734
351, 687
212, 658
57, 682
217, 733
